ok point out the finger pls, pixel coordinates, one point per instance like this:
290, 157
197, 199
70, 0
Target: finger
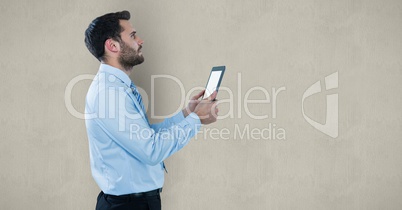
214, 110
196, 97
215, 104
212, 96
195, 102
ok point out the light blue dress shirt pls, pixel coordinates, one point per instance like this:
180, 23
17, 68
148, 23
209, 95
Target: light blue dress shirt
126, 152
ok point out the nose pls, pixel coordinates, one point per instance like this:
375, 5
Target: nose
140, 41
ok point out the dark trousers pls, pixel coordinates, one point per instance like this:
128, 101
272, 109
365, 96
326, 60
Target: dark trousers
129, 202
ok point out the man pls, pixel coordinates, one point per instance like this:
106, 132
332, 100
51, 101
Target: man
127, 152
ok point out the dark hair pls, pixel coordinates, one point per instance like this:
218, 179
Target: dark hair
103, 28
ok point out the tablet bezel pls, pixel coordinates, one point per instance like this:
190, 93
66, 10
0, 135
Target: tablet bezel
215, 68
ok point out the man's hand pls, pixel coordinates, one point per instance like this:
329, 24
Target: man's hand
207, 110
192, 104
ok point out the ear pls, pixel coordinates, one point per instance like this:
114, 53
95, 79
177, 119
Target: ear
112, 45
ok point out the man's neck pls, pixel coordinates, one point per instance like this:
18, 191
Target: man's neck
118, 66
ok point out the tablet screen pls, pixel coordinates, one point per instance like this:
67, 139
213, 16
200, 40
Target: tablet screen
213, 82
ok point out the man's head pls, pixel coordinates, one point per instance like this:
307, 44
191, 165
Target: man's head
112, 38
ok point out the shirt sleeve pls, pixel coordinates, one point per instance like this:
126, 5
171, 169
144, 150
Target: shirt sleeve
166, 123
128, 129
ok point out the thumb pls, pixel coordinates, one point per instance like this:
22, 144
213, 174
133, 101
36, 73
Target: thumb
196, 97
212, 96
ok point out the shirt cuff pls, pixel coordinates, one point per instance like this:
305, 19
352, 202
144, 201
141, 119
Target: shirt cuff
194, 121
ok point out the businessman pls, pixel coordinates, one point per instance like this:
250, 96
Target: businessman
126, 151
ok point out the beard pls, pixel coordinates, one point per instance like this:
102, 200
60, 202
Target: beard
129, 57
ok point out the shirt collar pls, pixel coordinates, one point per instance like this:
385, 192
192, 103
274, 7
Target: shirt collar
116, 72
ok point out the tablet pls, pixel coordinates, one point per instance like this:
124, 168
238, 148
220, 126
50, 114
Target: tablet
214, 80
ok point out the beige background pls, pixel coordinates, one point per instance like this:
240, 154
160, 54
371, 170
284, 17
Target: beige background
44, 149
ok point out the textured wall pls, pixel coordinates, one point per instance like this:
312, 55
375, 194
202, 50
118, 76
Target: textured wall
270, 44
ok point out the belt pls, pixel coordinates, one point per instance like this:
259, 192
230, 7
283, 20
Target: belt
137, 195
